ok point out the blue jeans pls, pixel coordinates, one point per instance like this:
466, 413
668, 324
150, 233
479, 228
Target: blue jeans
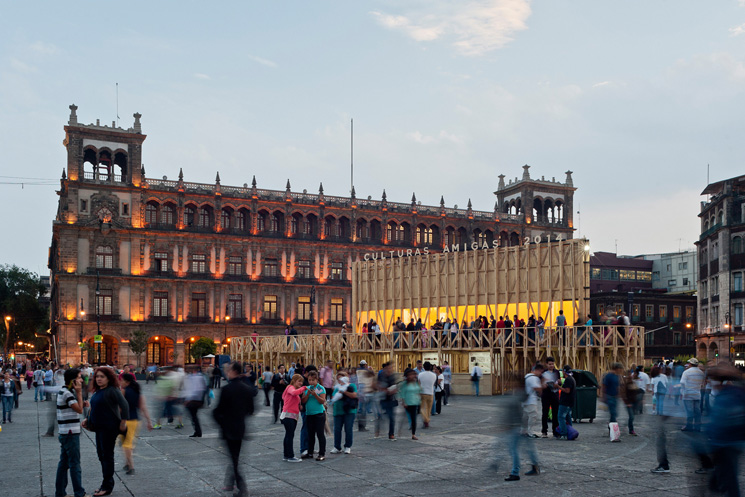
693, 414
565, 417
515, 439
303, 434
69, 459
630, 409
476, 386
7, 406
347, 422
612, 403
38, 394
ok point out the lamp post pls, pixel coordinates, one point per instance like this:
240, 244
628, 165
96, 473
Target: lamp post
80, 341
7, 337
225, 335
98, 320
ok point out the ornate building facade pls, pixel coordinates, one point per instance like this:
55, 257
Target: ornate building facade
183, 260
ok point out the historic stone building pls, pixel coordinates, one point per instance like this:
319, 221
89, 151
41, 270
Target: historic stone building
184, 260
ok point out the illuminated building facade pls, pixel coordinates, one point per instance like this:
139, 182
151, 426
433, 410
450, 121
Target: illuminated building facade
183, 260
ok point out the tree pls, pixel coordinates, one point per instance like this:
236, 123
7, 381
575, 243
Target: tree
138, 343
20, 290
202, 347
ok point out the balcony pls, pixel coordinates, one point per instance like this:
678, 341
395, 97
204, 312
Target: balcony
103, 178
161, 226
198, 319
104, 271
200, 229
108, 317
710, 231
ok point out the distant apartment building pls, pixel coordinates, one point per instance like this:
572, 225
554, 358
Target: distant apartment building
675, 272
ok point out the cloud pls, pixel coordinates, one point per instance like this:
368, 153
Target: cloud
443, 136
199, 75
737, 30
44, 48
22, 67
262, 61
475, 28
602, 83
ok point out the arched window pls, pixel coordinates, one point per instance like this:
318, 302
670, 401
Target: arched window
189, 215
168, 214
241, 220
205, 219
737, 245
261, 220
104, 257
151, 213
225, 219
275, 223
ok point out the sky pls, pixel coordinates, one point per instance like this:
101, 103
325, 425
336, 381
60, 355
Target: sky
635, 97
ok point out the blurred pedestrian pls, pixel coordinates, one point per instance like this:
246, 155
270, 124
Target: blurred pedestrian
410, 392
566, 401
195, 390
690, 382
517, 412
533, 389
267, 385
137, 405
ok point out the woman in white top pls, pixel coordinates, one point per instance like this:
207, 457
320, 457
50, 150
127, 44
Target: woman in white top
439, 389
660, 385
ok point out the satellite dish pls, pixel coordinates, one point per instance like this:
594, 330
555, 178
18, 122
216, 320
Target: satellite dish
456, 206
165, 178
305, 192
369, 197
245, 185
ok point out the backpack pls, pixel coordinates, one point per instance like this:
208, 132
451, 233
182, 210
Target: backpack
349, 403
474, 376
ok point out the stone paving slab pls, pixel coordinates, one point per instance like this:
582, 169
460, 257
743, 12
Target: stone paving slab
456, 456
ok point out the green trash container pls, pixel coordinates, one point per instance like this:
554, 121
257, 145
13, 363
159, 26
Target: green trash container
586, 398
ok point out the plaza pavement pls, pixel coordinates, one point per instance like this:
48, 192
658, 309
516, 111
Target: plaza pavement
454, 457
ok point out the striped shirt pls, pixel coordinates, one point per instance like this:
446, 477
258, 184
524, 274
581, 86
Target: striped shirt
67, 419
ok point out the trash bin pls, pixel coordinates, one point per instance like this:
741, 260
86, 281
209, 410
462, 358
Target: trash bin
586, 398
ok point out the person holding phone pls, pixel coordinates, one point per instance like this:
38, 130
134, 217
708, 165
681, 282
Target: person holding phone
70, 406
314, 399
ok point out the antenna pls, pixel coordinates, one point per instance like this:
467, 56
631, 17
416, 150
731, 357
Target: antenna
579, 220
616, 246
351, 152
117, 104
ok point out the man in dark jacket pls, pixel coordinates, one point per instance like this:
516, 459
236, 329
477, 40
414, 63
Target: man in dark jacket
279, 383
236, 402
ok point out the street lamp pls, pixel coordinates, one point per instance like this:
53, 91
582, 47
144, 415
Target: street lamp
7, 336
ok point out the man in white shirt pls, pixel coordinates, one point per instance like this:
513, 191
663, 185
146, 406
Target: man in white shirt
533, 390
690, 384
476, 374
642, 383
427, 381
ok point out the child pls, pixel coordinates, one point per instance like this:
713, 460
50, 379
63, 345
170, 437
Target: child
411, 398
315, 415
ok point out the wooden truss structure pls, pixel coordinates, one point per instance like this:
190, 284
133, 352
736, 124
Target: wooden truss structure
509, 351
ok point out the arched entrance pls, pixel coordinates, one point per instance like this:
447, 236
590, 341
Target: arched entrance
106, 352
159, 351
188, 359
713, 351
703, 352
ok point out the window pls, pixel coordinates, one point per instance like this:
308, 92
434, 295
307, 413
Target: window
737, 245
715, 286
198, 263
663, 313
738, 315
160, 304
337, 310
198, 305
337, 271
689, 312
240, 221
303, 269
635, 312
151, 213
672, 282
736, 282
161, 262
189, 215
168, 215
104, 257
715, 315
703, 259
125, 209
271, 268
648, 338
676, 338
689, 338
153, 353
601, 309
595, 273
424, 236
225, 220
704, 289
669, 268
449, 238
715, 251
235, 306
275, 223
676, 313
610, 274
261, 221
104, 301
303, 308
627, 275
294, 225
270, 307
685, 281
83, 205
619, 308
307, 226
205, 220
649, 313
682, 265
645, 276
235, 266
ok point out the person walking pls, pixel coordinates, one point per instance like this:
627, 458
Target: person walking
280, 380
533, 388
550, 397
517, 416
69, 408
314, 399
291, 414
345, 402
387, 387
107, 418
476, 374
236, 402
137, 405
48, 379
427, 380
411, 397
7, 393
448, 375
612, 390
38, 384
216, 377
690, 383
267, 385
195, 389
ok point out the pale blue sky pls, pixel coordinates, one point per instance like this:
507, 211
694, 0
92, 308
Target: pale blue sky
635, 97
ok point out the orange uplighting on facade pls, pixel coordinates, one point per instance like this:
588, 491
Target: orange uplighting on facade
157, 338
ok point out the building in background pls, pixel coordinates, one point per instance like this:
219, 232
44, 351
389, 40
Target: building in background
675, 272
613, 273
183, 260
721, 255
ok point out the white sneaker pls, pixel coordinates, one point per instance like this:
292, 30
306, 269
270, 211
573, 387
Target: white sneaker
347, 450
335, 451
304, 453
293, 459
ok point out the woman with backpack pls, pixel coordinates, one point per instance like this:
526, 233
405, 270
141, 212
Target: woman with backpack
345, 403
